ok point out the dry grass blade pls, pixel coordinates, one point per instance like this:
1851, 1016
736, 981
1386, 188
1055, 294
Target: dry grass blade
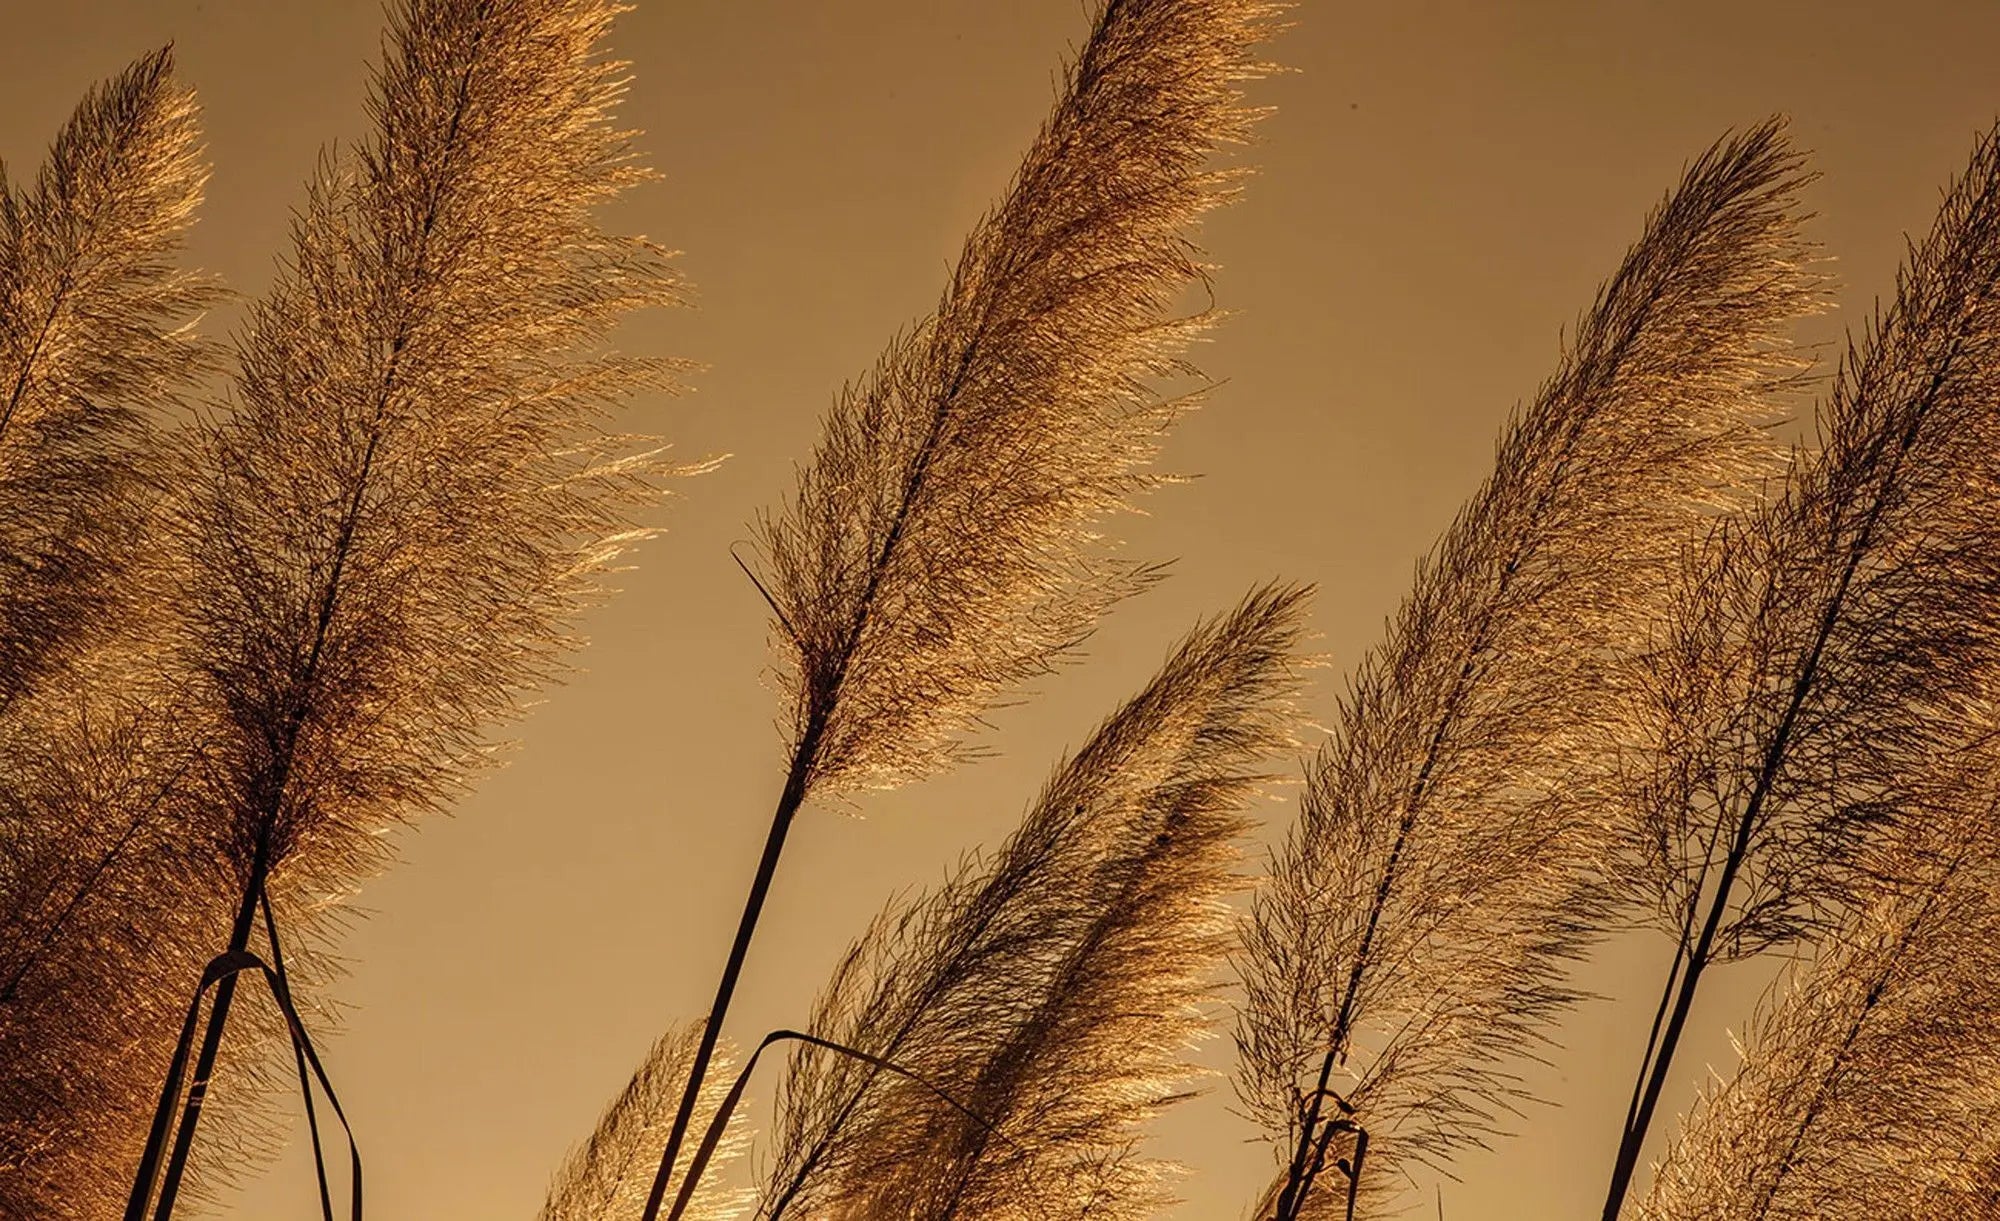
1054, 989
96, 343
390, 531
1868, 1088
941, 547
1423, 910
1828, 652
606, 1179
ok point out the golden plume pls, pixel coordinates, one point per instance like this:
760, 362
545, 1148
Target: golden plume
1051, 992
1828, 654
1442, 874
96, 346
941, 545
387, 533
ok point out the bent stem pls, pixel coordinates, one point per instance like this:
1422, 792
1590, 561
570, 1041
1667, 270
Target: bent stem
211, 1046
221, 969
282, 991
720, 1122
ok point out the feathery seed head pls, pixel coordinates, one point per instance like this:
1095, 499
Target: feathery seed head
942, 545
1053, 989
1442, 873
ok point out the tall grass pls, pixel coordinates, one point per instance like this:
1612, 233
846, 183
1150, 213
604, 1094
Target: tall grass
1050, 993
387, 527
1867, 1083
1827, 656
1446, 866
1658, 664
97, 352
942, 544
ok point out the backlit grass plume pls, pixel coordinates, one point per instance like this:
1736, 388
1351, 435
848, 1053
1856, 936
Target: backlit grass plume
1423, 910
1868, 1089
606, 1179
942, 543
96, 344
1053, 990
409, 498
94, 959
1827, 654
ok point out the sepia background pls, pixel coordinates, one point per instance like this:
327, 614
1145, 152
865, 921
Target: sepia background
1441, 188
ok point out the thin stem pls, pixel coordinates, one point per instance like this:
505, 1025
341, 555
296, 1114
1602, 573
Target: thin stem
1659, 1020
1753, 807
239, 939
1681, 948
720, 1123
804, 760
284, 988
767, 868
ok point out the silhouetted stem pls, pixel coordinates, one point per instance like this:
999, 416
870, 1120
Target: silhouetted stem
1767, 774
753, 906
211, 1045
804, 759
222, 969
720, 1123
283, 987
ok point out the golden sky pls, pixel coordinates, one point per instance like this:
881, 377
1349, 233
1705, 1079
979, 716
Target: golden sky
1441, 188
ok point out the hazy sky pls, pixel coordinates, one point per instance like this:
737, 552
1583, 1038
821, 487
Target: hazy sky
1442, 187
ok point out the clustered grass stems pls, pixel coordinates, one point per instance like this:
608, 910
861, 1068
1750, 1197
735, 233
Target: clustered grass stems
607, 1178
232, 658
941, 546
1828, 654
408, 496
1867, 1085
1053, 990
96, 346
1443, 872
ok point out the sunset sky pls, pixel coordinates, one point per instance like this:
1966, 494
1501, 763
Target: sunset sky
1440, 190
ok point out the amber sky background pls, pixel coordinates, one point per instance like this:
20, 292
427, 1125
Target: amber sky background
1441, 189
